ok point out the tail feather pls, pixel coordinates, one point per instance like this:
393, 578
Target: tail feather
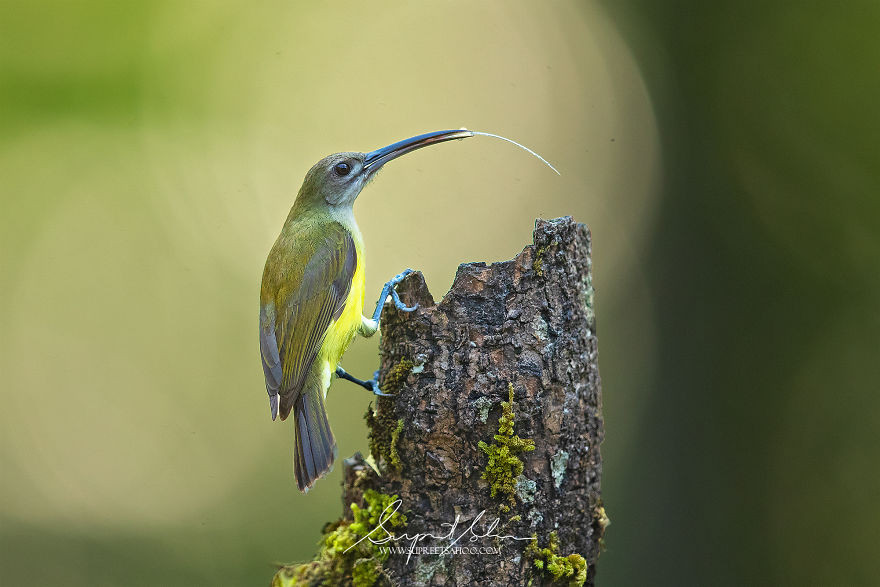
315, 446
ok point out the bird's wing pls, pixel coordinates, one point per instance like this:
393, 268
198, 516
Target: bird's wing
269, 352
290, 340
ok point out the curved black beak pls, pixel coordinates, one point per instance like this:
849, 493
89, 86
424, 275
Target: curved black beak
376, 159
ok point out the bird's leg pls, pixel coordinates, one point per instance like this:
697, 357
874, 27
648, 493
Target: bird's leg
389, 290
369, 384
369, 326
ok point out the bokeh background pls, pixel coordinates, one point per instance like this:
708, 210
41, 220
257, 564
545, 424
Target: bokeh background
724, 154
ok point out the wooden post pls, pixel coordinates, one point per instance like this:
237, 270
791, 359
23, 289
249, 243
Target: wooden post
497, 416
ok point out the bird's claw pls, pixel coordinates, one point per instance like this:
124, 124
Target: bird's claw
400, 305
389, 290
374, 382
395, 297
400, 277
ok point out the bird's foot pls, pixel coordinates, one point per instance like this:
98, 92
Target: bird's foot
392, 283
374, 382
387, 290
369, 384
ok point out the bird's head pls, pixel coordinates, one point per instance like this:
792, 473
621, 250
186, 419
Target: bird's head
336, 180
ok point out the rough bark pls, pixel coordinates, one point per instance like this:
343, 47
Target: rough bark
526, 327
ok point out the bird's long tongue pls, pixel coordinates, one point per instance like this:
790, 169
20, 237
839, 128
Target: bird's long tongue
376, 159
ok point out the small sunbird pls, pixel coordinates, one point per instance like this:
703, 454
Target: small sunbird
312, 298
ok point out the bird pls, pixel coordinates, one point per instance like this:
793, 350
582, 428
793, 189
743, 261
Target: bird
312, 298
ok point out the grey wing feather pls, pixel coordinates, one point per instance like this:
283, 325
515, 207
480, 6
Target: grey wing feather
270, 356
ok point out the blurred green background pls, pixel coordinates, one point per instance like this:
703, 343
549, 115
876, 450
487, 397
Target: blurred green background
725, 156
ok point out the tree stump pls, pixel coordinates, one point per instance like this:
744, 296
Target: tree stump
496, 422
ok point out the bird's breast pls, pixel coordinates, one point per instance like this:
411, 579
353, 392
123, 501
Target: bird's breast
343, 330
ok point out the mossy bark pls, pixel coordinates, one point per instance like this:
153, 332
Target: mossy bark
524, 330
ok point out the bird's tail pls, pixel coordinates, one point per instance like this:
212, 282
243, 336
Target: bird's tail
315, 448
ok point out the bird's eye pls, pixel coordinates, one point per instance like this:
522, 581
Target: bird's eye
342, 169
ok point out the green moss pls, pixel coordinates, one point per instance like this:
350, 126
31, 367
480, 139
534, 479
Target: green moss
393, 457
396, 376
362, 565
366, 572
602, 521
570, 570
381, 424
602, 518
303, 574
384, 427
505, 466
538, 263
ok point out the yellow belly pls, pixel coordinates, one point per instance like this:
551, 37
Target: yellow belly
341, 332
